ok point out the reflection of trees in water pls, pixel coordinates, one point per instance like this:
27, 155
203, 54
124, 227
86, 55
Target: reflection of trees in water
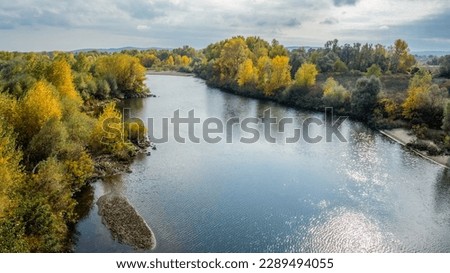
85, 201
137, 104
442, 193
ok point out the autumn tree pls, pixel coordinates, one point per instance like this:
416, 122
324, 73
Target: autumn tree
401, 60
258, 47
277, 49
247, 74
10, 170
79, 166
280, 76
47, 208
149, 60
364, 97
36, 111
306, 75
417, 93
9, 111
335, 95
233, 54
124, 74
108, 135
60, 75
264, 68
185, 60
425, 101
170, 62
12, 236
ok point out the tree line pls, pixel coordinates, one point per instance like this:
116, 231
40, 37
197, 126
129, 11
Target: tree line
51, 132
350, 78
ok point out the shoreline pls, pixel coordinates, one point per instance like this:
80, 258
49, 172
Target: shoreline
404, 137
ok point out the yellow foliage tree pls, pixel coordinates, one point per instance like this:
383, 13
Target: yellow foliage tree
60, 75
10, 171
108, 133
306, 75
39, 105
8, 109
79, 169
264, 68
233, 54
280, 76
185, 60
248, 73
334, 94
418, 91
401, 59
127, 71
170, 61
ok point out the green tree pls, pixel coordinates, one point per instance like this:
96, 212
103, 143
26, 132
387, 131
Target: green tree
364, 97
444, 67
446, 119
50, 140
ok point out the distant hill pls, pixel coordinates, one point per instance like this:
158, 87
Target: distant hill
114, 50
290, 48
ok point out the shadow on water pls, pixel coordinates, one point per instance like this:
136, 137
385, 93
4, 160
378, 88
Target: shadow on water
85, 204
442, 193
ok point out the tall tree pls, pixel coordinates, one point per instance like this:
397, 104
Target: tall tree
39, 105
364, 97
248, 74
281, 75
401, 59
60, 75
233, 54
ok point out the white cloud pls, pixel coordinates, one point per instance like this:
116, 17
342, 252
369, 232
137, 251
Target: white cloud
177, 22
142, 27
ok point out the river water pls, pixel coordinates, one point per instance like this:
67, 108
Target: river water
368, 194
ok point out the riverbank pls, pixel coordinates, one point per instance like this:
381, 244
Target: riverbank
405, 137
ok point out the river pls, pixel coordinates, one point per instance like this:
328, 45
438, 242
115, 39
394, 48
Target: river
368, 194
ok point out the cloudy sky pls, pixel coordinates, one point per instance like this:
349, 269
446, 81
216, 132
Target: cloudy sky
32, 25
